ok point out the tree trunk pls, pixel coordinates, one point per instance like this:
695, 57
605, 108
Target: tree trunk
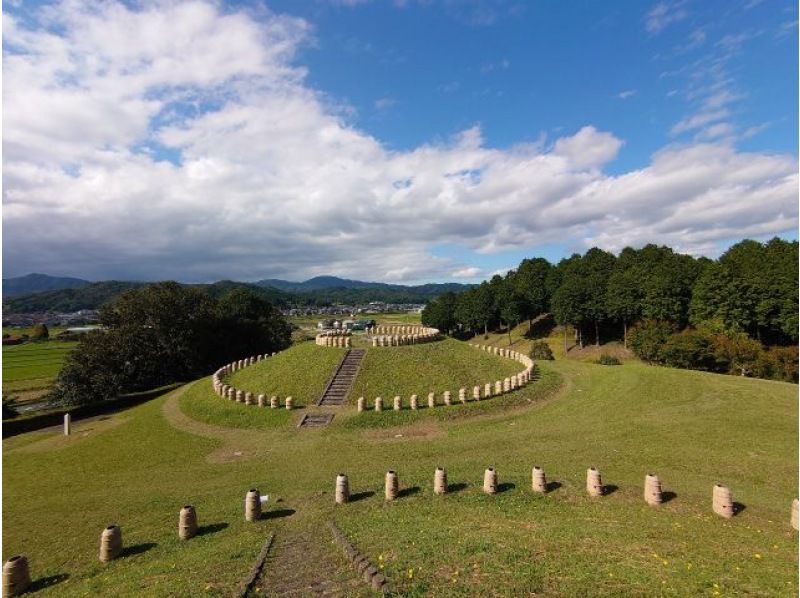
596, 334
485, 331
625, 334
565, 339
580, 337
530, 325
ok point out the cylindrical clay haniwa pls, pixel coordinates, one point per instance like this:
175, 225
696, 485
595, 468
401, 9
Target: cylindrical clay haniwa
16, 576
795, 513
378, 404
431, 400
538, 480
187, 523
446, 398
722, 501
288, 403
252, 505
110, 543
396, 403
342, 489
652, 490
391, 485
414, 402
490, 481
439, 481
273, 402
362, 402
594, 484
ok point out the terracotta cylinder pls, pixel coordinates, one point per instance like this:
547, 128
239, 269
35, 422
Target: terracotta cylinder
514, 382
261, 400
462, 395
506, 385
374, 341
361, 404
110, 543
446, 397
248, 398
239, 396
231, 394
273, 402
652, 490
431, 400
378, 404
67, 424
391, 485
498, 388
16, 576
487, 390
490, 481
476, 393
397, 403
288, 403
413, 400
342, 489
439, 481
187, 523
722, 501
795, 513
538, 479
594, 484
252, 505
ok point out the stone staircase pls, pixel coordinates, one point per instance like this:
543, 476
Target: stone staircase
335, 393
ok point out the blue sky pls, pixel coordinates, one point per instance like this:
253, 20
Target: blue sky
399, 141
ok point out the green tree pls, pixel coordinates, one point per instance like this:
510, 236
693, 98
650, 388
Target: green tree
530, 280
440, 312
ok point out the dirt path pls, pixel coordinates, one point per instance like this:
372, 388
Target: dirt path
236, 443
304, 561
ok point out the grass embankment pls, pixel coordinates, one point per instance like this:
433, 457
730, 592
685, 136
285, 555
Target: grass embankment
691, 428
29, 370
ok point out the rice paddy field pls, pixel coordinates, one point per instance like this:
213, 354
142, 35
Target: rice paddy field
138, 467
30, 369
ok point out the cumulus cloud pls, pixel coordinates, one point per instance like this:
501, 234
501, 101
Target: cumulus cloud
467, 272
183, 141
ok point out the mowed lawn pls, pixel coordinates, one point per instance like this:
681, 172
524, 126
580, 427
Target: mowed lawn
428, 367
33, 366
693, 429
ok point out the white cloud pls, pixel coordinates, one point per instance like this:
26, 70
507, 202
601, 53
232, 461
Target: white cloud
628, 93
270, 177
467, 272
664, 14
384, 103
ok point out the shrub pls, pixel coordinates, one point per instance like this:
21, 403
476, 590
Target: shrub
606, 359
691, 350
541, 350
8, 408
647, 338
40, 332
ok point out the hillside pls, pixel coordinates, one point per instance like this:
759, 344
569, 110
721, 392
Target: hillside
693, 429
37, 283
334, 289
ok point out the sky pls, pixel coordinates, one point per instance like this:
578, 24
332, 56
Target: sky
407, 141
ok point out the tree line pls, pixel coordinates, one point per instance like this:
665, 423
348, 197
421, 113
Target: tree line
750, 292
164, 333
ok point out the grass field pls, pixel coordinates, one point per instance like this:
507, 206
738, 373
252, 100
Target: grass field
428, 367
693, 429
31, 368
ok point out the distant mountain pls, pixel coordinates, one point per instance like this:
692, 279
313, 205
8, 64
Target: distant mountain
95, 295
327, 283
319, 291
36, 283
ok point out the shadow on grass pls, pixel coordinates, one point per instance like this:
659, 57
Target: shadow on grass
667, 496
738, 508
456, 487
361, 496
408, 491
211, 528
137, 549
46, 582
552, 486
505, 487
278, 513
609, 489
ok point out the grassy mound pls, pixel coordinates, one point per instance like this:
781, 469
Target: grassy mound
691, 428
429, 367
300, 372
200, 403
